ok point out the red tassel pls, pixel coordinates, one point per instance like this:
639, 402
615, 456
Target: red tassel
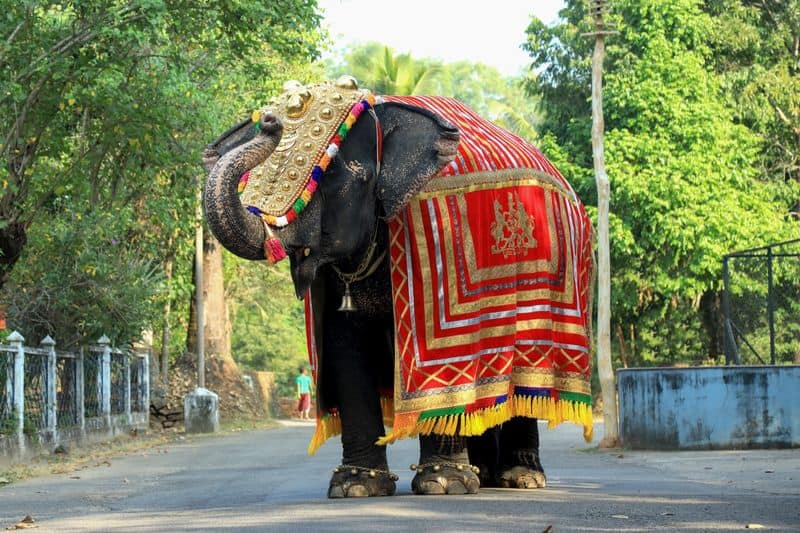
273, 249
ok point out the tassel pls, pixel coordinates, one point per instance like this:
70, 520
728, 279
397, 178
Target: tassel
476, 422
273, 249
328, 425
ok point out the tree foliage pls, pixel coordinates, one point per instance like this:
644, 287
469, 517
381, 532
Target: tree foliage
105, 107
497, 97
756, 50
269, 332
683, 170
379, 68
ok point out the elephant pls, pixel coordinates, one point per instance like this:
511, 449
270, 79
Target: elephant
335, 210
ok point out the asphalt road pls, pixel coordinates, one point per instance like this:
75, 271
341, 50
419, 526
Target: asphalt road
264, 481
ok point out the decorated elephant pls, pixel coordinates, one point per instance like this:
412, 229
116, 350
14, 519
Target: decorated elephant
445, 266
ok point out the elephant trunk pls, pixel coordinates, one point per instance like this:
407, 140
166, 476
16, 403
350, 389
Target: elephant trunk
239, 231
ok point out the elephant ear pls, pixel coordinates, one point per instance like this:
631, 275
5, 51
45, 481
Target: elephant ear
417, 145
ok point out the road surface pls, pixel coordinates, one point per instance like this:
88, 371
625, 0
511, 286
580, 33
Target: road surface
264, 481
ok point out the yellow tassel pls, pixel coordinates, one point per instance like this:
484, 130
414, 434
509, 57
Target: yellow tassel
440, 424
453, 425
477, 422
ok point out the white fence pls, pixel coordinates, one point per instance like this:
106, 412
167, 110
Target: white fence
48, 397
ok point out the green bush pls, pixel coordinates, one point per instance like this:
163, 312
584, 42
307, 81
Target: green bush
79, 280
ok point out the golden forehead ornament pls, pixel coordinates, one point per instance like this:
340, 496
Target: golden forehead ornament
315, 118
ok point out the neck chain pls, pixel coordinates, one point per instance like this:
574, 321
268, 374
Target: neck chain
364, 270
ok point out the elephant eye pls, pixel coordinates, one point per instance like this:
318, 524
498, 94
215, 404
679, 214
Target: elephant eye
335, 165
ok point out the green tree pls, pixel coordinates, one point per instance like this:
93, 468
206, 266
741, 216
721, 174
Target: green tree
82, 280
97, 99
756, 49
499, 98
105, 110
269, 331
378, 67
683, 172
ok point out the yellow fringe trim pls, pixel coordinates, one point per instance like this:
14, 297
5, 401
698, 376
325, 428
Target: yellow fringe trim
475, 423
467, 424
330, 425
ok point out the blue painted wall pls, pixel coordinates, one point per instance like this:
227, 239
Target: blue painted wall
709, 407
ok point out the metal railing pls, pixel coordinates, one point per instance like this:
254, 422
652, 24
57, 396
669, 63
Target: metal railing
45, 394
761, 304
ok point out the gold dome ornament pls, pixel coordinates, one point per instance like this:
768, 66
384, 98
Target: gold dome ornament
347, 82
316, 118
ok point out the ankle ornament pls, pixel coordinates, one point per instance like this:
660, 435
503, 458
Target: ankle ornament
436, 467
371, 472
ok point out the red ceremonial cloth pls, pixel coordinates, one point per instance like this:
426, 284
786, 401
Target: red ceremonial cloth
491, 267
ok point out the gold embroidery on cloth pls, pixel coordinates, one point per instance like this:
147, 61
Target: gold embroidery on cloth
512, 228
567, 297
475, 181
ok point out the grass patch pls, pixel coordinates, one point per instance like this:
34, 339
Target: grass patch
102, 452
80, 458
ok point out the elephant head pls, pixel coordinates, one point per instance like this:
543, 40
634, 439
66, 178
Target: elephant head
385, 157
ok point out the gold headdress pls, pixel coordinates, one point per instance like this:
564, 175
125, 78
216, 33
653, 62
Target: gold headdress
316, 119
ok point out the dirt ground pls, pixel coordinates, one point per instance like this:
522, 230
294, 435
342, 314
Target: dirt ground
238, 397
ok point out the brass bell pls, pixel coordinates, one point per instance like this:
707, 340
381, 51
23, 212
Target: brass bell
347, 301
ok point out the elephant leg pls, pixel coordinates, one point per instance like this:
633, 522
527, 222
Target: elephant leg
484, 452
350, 372
520, 467
444, 467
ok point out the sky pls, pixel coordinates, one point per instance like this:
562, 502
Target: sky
489, 32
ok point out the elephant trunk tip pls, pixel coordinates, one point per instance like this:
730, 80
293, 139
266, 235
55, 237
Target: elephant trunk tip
270, 124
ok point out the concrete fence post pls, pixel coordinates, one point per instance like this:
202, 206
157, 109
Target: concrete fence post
127, 380
146, 383
80, 391
50, 400
9, 384
16, 340
105, 379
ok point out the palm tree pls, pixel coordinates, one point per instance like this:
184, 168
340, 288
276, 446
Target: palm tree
378, 67
499, 98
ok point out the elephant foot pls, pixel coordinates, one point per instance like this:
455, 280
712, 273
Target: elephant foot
522, 477
359, 482
445, 478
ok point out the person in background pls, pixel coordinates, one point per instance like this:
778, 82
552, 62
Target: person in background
303, 382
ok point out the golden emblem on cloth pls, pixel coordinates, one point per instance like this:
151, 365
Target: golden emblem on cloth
311, 115
512, 228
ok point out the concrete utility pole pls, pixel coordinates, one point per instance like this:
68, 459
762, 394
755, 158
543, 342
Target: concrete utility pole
598, 10
198, 277
200, 407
